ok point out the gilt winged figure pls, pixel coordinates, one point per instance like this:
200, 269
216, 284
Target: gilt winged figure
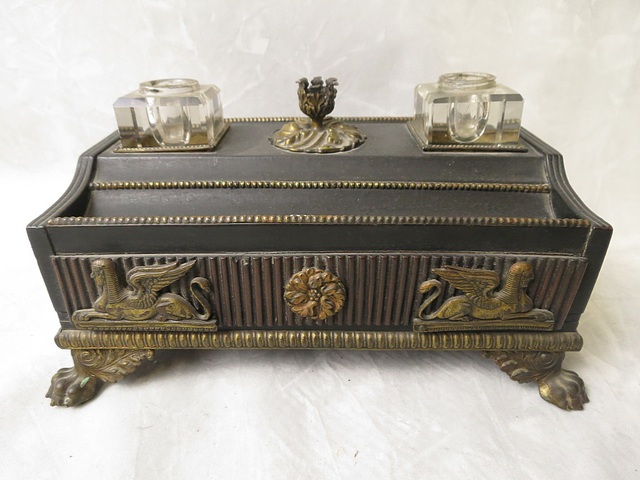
481, 300
140, 299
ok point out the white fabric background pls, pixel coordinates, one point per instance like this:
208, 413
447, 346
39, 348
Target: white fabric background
289, 415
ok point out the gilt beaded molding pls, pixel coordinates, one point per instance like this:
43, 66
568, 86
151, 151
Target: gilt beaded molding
331, 184
317, 339
342, 119
325, 219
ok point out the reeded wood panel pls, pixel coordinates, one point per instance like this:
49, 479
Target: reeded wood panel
382, 289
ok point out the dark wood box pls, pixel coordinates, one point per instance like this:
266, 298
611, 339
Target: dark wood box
382, 219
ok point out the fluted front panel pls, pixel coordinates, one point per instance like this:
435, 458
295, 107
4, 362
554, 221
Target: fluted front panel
381, 289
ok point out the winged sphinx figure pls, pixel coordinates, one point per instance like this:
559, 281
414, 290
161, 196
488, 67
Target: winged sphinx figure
481, 301
140, 300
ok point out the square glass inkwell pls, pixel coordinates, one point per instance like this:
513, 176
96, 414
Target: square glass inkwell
467, 111
173, 114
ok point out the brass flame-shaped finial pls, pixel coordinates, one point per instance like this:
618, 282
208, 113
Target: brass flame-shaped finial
317, 134
317, 100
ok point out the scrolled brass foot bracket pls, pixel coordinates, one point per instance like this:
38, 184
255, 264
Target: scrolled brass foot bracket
561, 387
80, 383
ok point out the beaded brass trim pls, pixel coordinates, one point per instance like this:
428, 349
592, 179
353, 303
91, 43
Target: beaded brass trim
419, 136
342, 119
324, 219
448, 147
182, 148
331, 184
314, 339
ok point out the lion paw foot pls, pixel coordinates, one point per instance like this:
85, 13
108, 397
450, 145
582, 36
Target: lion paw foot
563, 388
70, 387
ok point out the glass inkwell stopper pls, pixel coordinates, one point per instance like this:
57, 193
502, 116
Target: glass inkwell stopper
172, 114
467, 111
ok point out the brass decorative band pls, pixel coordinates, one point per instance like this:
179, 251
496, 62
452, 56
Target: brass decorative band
342, 119
474, 147
325, 219
331, 184
314, 339
414, 126
181, 148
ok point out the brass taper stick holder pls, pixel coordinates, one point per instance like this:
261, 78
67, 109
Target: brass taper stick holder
317, 134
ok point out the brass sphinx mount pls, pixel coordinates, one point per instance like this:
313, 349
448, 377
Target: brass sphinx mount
317, 134
482, 306
139, 303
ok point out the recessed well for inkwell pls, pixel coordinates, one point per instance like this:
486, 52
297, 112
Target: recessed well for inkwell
317, 134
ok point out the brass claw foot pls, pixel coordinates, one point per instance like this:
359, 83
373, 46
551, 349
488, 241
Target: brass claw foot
78, 384
563, 388
69, 388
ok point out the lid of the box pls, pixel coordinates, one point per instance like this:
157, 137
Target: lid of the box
389, 175
248, 195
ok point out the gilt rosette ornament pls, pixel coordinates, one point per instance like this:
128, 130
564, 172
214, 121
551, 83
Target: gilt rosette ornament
317, 134
314, 293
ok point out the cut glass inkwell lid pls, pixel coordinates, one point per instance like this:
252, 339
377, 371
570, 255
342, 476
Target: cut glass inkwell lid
170, 115
467, 111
